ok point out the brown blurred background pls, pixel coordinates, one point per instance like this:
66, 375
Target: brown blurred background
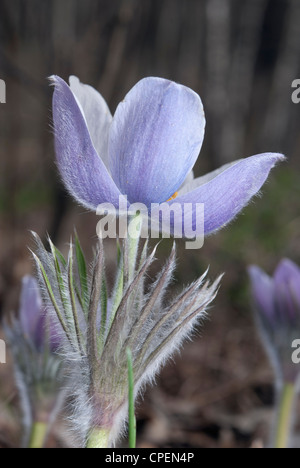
241, 57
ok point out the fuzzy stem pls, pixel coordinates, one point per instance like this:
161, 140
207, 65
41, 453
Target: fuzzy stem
134, 233
38, 435
98, 438
285, 415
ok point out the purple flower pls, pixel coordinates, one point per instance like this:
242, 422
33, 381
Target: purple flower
36, 324
147, 152
277, 302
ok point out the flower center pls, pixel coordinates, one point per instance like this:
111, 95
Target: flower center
173, 196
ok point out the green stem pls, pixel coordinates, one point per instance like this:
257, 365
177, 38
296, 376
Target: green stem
38, 435
99, 438
132, 418
285, 416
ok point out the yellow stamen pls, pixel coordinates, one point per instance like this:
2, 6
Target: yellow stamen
173, 196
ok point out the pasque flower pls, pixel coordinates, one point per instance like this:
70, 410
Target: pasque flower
34, 341
147, 152
277, 302
277, 305
38, 329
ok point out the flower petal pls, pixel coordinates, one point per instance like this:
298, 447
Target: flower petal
191, 183
48, 332
31, 307
83, 172
287, 271
96, 113
287, 289
155, 138
187, 182
226, 194
262, 292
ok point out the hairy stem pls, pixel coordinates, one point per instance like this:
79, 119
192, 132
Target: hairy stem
38, 435
99, 438
132, 246
285, 416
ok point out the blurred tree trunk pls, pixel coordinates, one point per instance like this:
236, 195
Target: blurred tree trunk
241, 80
218, 25
280, 108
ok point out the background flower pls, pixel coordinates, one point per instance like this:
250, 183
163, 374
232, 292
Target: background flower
38, 328
34, 340
277, 303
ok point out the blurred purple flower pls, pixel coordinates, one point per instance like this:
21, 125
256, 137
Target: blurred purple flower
147, 151
37, 326
277, 302
34, 340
